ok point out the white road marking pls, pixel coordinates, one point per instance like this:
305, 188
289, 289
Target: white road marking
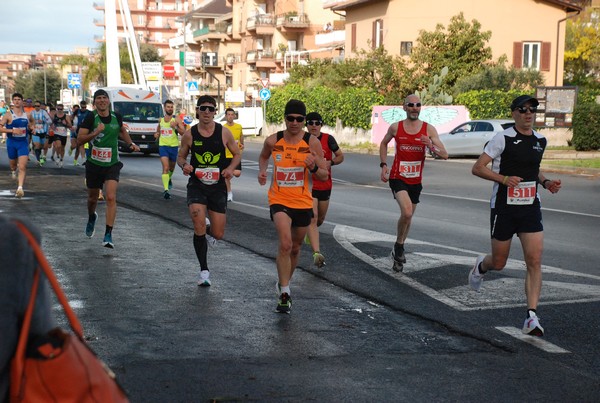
533, 340
498, 292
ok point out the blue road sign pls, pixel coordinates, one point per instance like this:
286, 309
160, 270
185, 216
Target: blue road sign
74, 81
265, 94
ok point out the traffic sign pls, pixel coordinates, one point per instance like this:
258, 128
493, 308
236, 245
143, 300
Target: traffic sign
264, 94
192, 88
74, 81
265, 82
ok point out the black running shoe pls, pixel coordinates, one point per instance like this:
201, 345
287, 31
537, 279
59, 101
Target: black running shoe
284, 303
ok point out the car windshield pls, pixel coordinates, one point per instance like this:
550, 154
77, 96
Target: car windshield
141, 112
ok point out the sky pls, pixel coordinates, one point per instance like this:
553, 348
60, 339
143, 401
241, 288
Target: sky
31, 26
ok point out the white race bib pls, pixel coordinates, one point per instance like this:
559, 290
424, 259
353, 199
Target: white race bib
60, 130
39, 128
522, 194
290, 177
102, 154
410, 169
208, 176
166, 132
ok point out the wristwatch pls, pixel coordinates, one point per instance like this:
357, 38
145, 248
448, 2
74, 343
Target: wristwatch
381, 165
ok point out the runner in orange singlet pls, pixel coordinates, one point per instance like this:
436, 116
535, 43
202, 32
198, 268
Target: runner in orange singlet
296, 154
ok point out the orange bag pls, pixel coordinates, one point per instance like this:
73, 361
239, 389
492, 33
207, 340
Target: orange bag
58, 366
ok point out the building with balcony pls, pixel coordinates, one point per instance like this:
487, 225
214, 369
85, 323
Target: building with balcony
531, 33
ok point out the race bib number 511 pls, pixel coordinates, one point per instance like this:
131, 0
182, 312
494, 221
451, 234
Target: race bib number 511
522, 194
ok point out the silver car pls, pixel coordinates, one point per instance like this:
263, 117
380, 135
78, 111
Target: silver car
469, 138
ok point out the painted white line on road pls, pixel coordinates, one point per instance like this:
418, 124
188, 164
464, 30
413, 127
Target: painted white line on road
533, 340
498, 292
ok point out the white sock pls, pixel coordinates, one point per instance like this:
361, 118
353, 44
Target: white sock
285, 289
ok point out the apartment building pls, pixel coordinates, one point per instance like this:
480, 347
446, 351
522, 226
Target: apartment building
240, 45
531, 33
155, 22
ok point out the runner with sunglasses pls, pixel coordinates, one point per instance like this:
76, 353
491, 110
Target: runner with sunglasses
321, 190
295, 155
412, 137
516, 154
208, 168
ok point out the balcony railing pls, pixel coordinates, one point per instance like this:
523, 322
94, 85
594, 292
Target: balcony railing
233, 58
293, 20
260, 20
253, 55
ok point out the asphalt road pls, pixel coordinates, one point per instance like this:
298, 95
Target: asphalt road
357, 331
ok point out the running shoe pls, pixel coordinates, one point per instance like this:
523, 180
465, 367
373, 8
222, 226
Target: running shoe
212, 241
229, 196
70, 152
19, 193
284, 303
204, 278
52, 158
166, 195
75, 163
13, 174
60, 163
306, 239
108, 242
399, 259
170, 184
532, 326
318, 259
90, 228
475, 277
42, 161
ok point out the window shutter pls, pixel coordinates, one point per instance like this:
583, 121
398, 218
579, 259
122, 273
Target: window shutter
374, 35
518, 55
353, 38
545, 62
380, 33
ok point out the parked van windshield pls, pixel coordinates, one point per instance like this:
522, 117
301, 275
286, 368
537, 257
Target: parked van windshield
140, 112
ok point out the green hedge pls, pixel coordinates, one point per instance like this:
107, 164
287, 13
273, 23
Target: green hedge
587, 96
586, 126
488, 104
353, 106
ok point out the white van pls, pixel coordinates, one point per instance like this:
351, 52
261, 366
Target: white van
141, 111
251, 119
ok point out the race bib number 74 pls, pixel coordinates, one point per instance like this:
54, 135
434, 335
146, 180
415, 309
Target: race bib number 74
290, 177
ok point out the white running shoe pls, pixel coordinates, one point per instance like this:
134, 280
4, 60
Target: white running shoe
475, 277
229, 196
204, 278
19, 193
532, 326
212, 242
13, 174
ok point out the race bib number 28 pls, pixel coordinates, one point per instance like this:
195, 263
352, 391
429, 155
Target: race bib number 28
208, 176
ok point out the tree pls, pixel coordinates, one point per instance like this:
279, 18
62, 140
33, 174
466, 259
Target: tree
497, 76
375, 70
462, 48
582, 50
32, 84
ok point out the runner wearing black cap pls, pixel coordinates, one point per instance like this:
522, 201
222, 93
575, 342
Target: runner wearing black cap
515, 155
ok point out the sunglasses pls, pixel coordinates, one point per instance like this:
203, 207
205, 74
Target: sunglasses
298, 119
59, 109
412, 104
205, 108
524, 109
314, 123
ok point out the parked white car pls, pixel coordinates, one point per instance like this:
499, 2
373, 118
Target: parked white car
468, 139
